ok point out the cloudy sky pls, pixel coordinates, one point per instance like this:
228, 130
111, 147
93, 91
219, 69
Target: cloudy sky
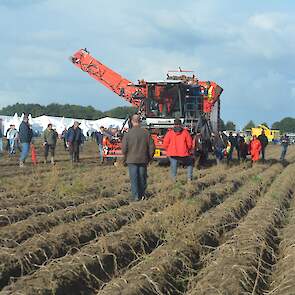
247, 47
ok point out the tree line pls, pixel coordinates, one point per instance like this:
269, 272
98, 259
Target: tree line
88, 112
66, 110
285, 125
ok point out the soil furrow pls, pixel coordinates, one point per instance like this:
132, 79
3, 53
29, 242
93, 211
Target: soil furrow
282, 280
166, 269
92, 264
246, 259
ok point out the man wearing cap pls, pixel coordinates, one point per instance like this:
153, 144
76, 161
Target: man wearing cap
25, 138
178, 144
138, 149
49, 142
74, 140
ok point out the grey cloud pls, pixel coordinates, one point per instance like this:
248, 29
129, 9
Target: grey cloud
245, 51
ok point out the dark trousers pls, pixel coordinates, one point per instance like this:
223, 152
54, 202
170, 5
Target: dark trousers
74, 150
138, 180
65, 144
47, 148
263, 153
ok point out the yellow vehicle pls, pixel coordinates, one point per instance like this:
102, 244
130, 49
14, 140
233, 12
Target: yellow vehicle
271, 134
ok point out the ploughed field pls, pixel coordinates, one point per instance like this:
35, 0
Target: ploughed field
68, 229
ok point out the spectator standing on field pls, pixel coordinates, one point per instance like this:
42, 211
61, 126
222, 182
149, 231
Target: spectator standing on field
99, 140
64, 138
231, 142
264, 142
255, 149
284, 144
7, 141
234, 143
138, 149
178, 144
49, 142
1, 140
238, 138
243, 149
25, 138
218, 146
12, 136
74, 140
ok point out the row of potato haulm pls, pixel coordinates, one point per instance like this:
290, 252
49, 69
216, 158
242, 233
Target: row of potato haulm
231, 231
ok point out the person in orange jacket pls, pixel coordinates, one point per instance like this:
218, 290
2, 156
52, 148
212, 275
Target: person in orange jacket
255, 148
178, 144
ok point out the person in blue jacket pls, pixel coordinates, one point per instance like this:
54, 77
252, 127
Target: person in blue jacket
74, 140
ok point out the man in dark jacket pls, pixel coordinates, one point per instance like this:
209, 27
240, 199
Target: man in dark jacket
284, 144
49, 142
74, 139
25, 138
138, 148
99, 140
264, 142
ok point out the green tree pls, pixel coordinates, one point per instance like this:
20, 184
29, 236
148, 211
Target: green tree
265, 124
249, 125
121, 112
230, 125
222, 125
285, 125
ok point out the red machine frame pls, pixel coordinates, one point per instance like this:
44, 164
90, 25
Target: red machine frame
163, 95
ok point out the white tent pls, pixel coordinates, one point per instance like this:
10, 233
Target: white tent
109, 122
15, 120
84, 126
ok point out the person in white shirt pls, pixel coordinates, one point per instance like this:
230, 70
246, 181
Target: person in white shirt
12, 135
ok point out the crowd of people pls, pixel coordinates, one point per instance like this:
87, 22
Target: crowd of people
73, 138
138, 148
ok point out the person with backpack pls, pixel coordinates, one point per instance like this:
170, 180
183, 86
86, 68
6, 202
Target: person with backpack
178, 144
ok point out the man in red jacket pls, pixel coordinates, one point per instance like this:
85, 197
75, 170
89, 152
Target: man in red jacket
178, 144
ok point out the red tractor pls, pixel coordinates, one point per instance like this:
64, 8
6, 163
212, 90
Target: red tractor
181, 95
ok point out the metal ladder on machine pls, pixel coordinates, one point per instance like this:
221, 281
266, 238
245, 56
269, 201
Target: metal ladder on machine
190, 111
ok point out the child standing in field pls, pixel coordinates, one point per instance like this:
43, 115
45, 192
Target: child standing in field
255, 149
